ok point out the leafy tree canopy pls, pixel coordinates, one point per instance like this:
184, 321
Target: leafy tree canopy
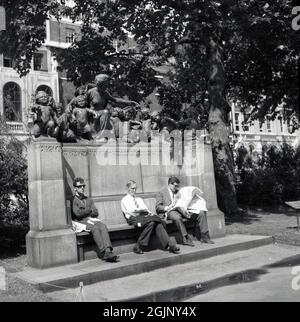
260, 49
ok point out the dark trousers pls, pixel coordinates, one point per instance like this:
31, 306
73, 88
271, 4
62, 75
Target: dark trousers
150, 225
200, 221
100, 235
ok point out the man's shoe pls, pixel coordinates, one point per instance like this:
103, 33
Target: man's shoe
137, 249
188, 241
206, 241
110, 257
174, 249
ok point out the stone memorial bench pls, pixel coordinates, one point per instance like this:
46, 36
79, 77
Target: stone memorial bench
121, 233
106, 168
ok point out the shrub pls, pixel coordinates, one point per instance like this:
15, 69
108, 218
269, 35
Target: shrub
270, 178
14, 210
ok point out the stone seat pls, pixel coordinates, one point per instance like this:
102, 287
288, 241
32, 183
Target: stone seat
122, 235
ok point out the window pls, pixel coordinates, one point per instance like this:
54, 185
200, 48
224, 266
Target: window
281, 124
7, 62
2, 18
12, 102
237, 121
246, 126
269, 125
40, 61
70, 35
46, 89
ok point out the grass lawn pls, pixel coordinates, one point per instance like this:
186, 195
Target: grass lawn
280, 223
14, 260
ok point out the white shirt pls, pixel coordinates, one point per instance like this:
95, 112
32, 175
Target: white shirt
129, 204
171, 195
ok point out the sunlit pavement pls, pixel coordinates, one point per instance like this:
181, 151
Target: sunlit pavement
267, 277
272, 284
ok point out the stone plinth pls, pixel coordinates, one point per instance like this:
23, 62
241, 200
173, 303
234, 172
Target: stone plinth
50, 241
106, 169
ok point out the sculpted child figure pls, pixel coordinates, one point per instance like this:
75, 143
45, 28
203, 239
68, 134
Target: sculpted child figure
133, 125
146, 124
164, 124
43, 111
64, 130
83, 116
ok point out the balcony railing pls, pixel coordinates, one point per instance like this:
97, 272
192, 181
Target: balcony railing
15, 128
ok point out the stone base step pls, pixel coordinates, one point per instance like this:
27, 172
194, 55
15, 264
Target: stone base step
253, 275
94, 271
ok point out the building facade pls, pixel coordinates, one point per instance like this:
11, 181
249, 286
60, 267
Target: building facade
256, 134
16, 93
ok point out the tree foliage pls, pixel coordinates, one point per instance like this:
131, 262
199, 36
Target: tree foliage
213, 52
260, 47
13, 191
270, 178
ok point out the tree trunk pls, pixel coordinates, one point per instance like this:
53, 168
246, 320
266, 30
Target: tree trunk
219, 133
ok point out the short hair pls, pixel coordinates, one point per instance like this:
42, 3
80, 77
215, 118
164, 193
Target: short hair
173, 180
130, 183
78, 180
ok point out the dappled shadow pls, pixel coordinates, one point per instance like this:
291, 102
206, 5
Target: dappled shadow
246, 219
268, 210
189, 291
292, 228
286, 262
184, 293
255, 213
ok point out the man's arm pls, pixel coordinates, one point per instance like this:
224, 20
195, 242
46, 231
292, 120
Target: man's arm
94, 210
144, 206
160, 206
80, 212
126, 212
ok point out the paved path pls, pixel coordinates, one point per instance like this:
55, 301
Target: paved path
274, 283
275, 286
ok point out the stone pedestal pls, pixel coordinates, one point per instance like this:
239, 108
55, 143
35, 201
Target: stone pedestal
50, 241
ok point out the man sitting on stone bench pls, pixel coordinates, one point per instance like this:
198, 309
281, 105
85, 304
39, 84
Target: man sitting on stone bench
85, 218
175, 204
138, 214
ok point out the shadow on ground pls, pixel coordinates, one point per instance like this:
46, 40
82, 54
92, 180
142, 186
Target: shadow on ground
255, 213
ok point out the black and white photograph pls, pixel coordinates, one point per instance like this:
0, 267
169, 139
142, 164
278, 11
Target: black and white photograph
149, 153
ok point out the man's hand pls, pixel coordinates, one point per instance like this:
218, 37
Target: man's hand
171, 206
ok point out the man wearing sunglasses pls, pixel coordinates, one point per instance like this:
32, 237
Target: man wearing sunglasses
85, 217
